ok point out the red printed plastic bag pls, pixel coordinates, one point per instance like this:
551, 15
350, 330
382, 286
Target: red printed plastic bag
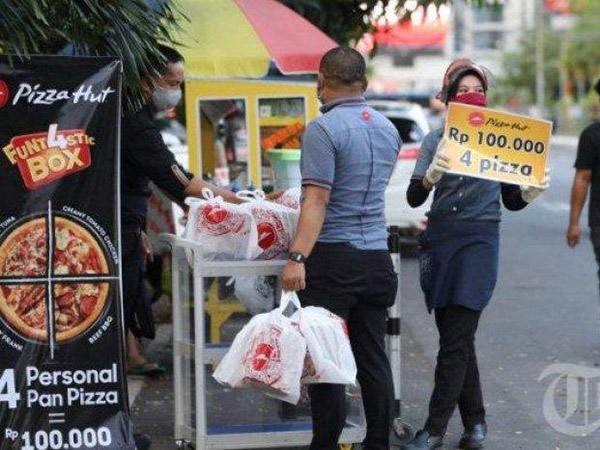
291, 198
267, 354
275, 224
329, 353
226, 232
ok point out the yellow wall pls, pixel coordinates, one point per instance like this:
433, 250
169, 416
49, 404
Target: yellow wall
200, 144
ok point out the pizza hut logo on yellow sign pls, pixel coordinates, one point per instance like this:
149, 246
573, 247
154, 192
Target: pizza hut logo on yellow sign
47, 156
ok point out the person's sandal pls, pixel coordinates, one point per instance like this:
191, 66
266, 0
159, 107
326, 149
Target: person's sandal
147, 369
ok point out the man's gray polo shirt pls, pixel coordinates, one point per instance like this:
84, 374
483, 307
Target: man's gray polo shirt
351, 149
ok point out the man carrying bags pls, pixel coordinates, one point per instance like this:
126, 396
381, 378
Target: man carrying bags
339, 259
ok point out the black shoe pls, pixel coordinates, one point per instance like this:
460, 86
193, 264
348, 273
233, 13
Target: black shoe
424, 441
473, 438
142, 441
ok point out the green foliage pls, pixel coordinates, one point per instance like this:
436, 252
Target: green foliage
582, 56
575, 54
519, 70
128, 29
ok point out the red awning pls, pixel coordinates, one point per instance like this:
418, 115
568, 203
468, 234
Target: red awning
411, 36
558, 6
295, 44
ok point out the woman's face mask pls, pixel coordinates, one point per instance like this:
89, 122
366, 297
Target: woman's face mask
164, 99
470, 98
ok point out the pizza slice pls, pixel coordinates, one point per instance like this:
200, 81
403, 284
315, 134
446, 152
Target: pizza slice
76, 251
24, 307
23, 253
77, 307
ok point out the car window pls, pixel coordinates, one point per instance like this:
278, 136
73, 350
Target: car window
410, 132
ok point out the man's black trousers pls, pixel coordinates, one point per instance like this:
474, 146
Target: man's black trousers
456, 374
359, 286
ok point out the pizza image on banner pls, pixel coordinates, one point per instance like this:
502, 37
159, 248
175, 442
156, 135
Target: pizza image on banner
76, 305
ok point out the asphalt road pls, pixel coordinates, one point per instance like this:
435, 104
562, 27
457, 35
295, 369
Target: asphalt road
544, 311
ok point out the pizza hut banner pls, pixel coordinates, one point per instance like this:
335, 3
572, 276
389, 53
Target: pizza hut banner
62, 378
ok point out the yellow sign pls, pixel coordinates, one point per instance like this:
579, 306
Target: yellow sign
495, 145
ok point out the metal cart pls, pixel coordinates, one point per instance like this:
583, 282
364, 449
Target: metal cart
210, 416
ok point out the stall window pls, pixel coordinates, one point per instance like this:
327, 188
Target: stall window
224, 142
281, 121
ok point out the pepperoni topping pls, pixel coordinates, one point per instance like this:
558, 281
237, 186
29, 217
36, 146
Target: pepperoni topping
88, 304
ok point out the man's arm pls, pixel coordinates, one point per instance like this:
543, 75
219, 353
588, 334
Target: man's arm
318, 171
579, 192
312, 216
197, 184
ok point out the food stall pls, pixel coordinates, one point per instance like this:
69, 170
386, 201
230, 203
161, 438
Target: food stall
250, 85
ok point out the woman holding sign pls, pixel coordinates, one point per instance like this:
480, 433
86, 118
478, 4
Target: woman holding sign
459, 264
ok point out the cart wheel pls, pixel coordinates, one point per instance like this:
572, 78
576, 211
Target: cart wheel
404, 432
184, 445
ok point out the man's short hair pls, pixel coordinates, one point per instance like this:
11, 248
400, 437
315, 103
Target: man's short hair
343, 66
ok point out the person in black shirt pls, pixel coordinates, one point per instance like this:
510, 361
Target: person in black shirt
587, 166
145, 158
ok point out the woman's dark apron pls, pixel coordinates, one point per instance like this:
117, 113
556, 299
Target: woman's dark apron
458, 263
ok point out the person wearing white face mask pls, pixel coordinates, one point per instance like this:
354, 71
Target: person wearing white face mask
145, 158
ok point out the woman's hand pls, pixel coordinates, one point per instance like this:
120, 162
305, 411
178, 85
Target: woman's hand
439, 166
530, 193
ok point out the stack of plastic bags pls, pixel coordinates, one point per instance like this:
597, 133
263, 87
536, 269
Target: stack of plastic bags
255, 229
225, 232
276, 354
276, 224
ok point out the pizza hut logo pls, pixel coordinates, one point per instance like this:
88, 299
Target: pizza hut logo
267, 235
273, 239
217, 220
36, 95
476, 119
263, 363
264, 353
47, 156
4, 93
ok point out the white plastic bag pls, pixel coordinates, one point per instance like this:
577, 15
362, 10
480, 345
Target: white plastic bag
267, 354
226, 232
256, 293
329, 353
291, 198
275, 224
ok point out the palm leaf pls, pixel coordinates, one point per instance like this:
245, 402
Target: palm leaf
127, 29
